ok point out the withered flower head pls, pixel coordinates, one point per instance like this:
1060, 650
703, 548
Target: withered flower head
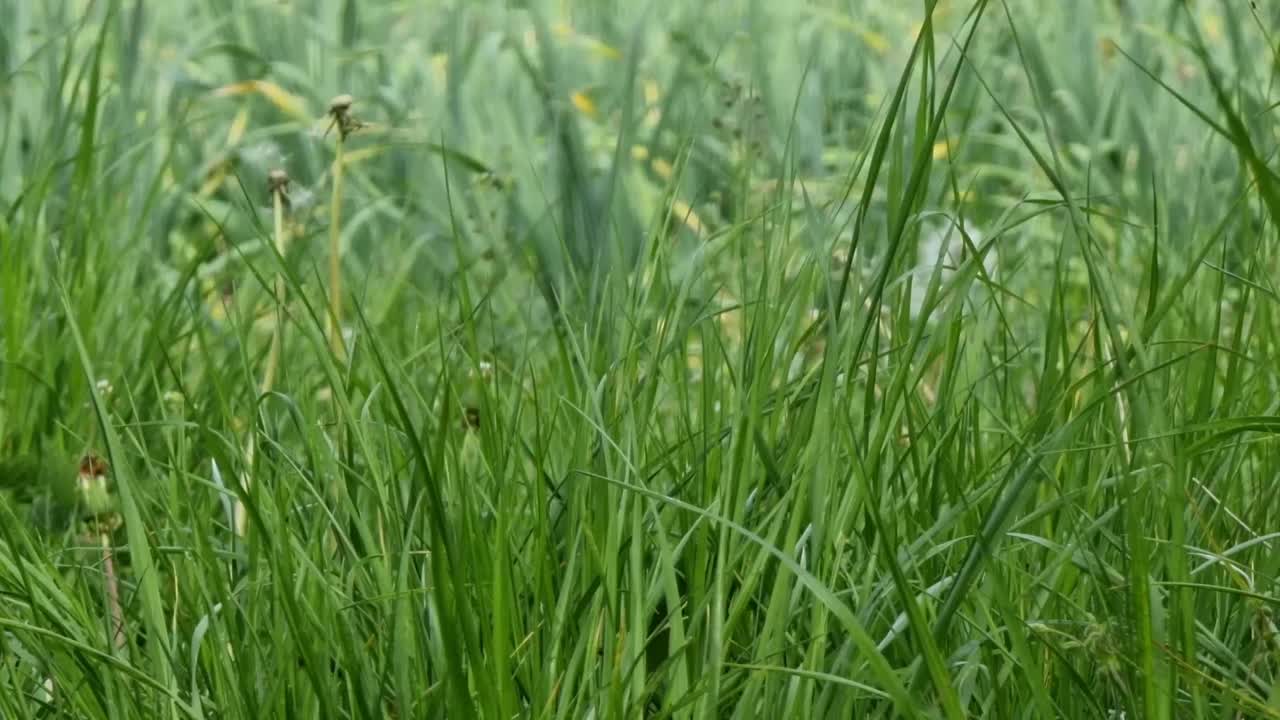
93, 466
277, 180
340, 112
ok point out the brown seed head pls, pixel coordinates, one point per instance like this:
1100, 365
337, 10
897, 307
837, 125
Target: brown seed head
93, 466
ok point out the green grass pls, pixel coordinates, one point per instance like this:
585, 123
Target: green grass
697, 360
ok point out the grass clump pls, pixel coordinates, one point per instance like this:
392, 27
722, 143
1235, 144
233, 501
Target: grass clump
738, 360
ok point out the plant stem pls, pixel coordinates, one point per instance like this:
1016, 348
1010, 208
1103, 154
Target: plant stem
113, 593
335, 253
277, 337
277, 343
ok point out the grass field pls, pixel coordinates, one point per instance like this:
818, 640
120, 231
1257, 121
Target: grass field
619, 360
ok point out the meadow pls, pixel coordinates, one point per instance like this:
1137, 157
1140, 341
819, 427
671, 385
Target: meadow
587, 359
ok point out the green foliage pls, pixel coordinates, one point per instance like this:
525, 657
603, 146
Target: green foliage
699, 360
